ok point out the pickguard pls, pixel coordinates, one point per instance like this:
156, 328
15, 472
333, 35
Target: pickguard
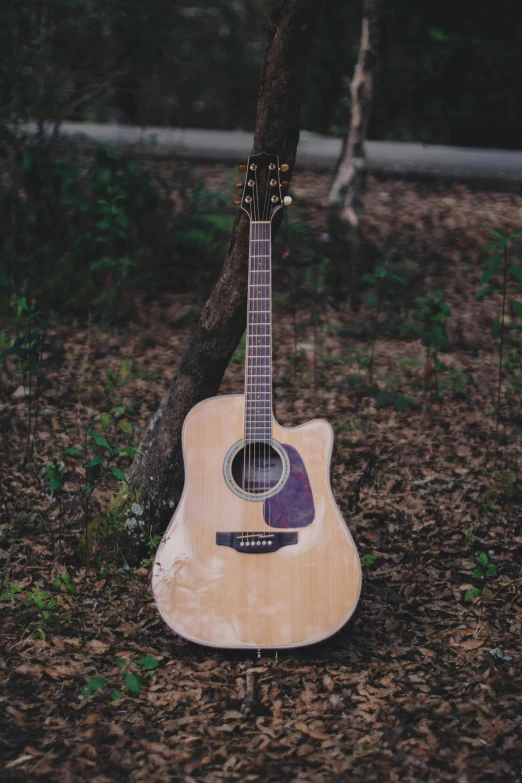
293, 505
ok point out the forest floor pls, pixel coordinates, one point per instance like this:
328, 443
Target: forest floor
425, 683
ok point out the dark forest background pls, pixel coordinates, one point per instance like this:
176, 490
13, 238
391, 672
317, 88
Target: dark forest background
450, 70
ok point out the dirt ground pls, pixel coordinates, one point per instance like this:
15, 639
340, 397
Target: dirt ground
425, 683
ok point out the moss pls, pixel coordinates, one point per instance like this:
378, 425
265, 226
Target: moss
111, 536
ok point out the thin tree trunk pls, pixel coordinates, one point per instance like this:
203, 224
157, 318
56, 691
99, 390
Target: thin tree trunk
156, 476
346, 197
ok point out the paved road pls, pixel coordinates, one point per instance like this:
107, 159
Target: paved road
499, 168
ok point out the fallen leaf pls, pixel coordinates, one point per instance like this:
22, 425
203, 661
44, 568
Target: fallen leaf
472, 644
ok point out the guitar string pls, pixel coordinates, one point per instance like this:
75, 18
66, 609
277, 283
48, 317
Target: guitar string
251, 445
265, 320
255, 342
248, 446
260, 411
269, 353
259, 436
253, 381
259, 339
267, 396
263, 424
247, 365
250, 357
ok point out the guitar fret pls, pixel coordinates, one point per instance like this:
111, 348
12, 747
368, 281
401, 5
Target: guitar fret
258, 375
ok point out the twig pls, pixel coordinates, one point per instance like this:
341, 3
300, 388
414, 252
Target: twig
427, 480
501, 352
250, 697
103, 625
5, 569
40, 761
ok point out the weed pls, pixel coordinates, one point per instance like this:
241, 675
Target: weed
385, 292
79, 232
133, 681
502, 270
430, 319
504, 493
33, 350
483, 571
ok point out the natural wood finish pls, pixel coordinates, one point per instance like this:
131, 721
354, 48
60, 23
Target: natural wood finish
216, 596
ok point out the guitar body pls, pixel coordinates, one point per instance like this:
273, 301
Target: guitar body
279, 570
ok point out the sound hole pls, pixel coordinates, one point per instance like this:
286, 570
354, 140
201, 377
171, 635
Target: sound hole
257, 468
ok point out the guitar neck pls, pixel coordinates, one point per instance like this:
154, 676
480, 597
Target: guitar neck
258, 359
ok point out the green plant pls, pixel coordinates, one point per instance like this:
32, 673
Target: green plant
360, 356
238, 356
504, 492
65, 582
398, 401
34, 350
368, 560
483, 571
133, 681
78, 231
55, 474
503, 270
429, 323
46, 605
385, 285
431, 317
484, 568
152, 544
10, 591
410, 362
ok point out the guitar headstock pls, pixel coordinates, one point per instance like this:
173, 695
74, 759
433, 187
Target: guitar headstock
262, 189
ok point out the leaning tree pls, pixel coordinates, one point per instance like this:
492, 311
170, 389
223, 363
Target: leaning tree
155, 479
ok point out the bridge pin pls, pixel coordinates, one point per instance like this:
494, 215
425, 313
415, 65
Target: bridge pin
247, 543
241, 543
259, 543
269, 543
264, 543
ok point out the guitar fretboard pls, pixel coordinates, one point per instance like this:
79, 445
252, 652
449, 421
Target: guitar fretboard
258, 362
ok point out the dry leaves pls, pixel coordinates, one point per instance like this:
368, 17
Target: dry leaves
422, 685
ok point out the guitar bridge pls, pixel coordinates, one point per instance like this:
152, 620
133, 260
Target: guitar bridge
256, 543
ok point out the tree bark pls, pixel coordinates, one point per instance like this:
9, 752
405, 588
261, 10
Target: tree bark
346, 197
155, 479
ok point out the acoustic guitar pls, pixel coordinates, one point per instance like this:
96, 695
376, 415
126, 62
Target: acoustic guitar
257, 554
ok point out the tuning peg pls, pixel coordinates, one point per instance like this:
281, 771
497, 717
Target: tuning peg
287, 201
243, 168
284, 167
240, 185
237, 201
285, 184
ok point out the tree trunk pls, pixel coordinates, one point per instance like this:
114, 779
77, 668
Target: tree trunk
346, 197
155, 479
